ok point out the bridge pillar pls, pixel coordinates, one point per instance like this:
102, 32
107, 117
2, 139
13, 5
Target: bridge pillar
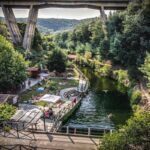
30, 27
104, 19
103, 15
12, 25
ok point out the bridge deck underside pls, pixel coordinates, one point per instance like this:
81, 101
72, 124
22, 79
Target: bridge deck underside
94, 4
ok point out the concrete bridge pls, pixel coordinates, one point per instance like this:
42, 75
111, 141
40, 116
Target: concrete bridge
35, 5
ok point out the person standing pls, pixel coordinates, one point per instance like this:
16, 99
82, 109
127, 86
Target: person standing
29, 82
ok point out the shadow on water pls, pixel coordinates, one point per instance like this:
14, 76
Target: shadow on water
105, 97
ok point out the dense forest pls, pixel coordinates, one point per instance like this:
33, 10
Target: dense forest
125, 42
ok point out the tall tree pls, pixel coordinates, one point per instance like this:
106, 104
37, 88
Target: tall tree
56, 61
12, 66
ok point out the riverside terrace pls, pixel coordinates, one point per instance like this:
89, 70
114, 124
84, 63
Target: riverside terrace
31, 117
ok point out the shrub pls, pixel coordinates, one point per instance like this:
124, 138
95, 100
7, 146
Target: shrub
41, 103
56, 61
51, 85
135, 96
104, 70
134, 135
122, 77
6, 111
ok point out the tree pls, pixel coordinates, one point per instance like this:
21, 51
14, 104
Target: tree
134, 135
56, 61
145, 68
104, 48
3, 30
129, 36
12, 66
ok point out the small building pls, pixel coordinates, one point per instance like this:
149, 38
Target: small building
33, 72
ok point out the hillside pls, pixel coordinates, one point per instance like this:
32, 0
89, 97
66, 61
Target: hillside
52, 25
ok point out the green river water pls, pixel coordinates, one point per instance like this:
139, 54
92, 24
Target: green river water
105, 97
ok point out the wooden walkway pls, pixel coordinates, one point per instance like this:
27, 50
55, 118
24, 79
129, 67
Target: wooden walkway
55, 142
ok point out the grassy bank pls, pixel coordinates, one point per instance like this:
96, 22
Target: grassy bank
51, 86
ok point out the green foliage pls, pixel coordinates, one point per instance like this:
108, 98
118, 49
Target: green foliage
145, 68
6, 111
128, 33
104, 48
51, 85
134, 135
42, 103
46, 26
7, 128
104, 70
88, 55
135, 96
85, 37
125, 44
12, 66
57, 61
3, 30
122, 76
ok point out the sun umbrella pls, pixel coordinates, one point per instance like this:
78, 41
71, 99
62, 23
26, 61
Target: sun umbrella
40, 89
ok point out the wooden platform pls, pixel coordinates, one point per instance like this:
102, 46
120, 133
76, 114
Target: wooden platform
53, 142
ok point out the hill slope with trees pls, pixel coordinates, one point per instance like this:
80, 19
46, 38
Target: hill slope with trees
50, 25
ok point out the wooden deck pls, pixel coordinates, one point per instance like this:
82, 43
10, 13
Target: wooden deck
52, 142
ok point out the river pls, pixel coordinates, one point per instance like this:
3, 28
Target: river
105, 97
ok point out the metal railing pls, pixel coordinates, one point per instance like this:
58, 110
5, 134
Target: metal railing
60, 115
85, 131
83, 77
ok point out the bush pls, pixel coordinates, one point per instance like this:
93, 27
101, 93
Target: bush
145, 68
41, 103
6, 111
56, 61
104, 70
135, 96
51, 85
88, 55
134, 135
122, 77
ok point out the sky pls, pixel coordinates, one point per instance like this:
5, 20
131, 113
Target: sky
76, 13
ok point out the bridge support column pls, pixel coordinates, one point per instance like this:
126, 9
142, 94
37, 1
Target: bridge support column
12, 25
104, 19
30, 27
103, 15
